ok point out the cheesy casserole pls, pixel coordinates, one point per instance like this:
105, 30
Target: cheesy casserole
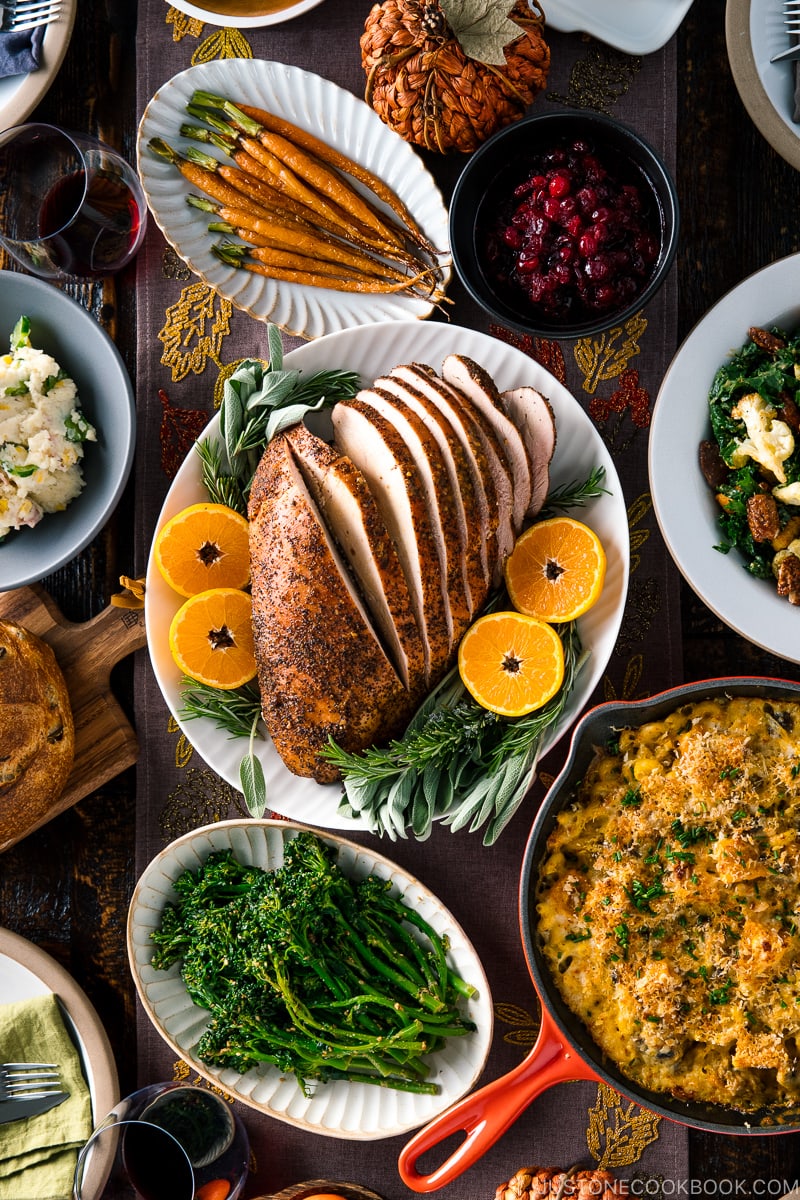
669, 903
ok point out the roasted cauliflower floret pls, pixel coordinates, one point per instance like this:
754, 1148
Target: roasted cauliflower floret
769, 441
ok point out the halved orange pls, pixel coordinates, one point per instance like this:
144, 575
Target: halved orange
211, 638
556, 570
203, 546
511, 663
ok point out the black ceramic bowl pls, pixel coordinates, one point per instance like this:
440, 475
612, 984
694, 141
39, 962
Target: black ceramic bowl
494, 201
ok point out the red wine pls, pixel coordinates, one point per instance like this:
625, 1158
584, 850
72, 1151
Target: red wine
101, 237
156, 1165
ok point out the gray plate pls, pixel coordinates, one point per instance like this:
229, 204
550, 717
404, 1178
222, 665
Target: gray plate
83, 348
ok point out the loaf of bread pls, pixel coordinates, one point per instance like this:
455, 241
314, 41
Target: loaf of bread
37, 732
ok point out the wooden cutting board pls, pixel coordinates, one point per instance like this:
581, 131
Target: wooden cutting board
105, 741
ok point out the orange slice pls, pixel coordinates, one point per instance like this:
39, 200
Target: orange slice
511, 663
556, 570
203, 546
211, 638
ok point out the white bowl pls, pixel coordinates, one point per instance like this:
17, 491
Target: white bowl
64, 329
684, 504
262, 14
338, 1108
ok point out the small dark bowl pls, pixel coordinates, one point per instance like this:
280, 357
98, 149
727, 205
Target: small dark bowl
485, 189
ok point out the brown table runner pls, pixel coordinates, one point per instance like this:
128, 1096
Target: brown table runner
615, 376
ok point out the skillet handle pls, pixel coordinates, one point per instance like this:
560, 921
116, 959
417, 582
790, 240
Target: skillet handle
485, 1115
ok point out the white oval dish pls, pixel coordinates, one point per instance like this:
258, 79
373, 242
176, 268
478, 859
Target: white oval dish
212, 16
684, 504
332, 114
337, 1108
371, 351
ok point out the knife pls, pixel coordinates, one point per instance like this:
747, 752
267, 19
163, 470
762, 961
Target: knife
792, 53
16, 1110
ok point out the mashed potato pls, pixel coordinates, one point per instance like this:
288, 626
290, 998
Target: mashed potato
42, 432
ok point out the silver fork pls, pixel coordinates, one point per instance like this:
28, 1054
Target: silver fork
29, 1081
20, 15
791, 20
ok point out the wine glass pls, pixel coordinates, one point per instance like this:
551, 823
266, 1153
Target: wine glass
167, 1141
73, 207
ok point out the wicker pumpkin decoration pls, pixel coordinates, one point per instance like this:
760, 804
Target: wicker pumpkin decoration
423, 85
549, 1183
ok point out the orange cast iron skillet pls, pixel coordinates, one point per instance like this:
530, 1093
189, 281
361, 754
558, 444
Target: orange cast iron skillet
564, 1049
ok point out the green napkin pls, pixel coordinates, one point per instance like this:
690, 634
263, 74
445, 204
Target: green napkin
38, 1154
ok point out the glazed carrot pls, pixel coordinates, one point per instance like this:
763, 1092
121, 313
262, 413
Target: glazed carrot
295, 234
308, 141
204, 179
313, 171
257, 262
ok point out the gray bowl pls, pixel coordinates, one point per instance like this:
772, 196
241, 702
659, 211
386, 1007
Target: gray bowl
486, 184
64, 329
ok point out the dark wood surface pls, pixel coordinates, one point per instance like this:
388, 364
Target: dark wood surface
67, 886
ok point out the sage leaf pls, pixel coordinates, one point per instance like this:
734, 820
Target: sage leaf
254, 785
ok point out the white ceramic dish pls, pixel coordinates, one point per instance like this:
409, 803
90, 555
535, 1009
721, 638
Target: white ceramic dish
372, 351
19, 94
338, 118
755, 32
338, 1108
25, 972
260, 13
82, 347
684, 504
635, 26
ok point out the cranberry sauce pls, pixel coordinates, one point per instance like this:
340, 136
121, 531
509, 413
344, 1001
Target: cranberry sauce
577, 236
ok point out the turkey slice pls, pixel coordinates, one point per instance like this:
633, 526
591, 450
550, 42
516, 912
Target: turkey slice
474, 567
489, 476
322, 670
382, 456
351, 514
533, 416
439, 498
478, 386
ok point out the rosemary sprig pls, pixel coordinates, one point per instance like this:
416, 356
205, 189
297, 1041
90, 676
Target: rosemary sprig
576, 494
457, 763
231, 711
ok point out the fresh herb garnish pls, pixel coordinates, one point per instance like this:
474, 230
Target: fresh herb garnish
456, 763
641, 894
231, 711
576, 494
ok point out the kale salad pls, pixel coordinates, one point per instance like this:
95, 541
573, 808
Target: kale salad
752, 463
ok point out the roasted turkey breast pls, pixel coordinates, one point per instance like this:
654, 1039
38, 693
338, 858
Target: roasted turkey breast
322, 671
372, 553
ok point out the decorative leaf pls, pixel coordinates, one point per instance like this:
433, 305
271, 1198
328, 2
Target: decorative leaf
482, 27
619, 1132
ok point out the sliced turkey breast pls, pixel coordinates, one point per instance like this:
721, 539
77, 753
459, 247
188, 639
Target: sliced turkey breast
321, 669
474, 567
439, 498
479, 387
352, 516
489, 476
533, 416
382, 456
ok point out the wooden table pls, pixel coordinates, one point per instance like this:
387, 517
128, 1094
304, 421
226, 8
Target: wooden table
67, 886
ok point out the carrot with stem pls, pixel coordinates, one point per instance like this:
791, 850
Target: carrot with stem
204, 179
244, 176
330, 155
257, 260
294, 234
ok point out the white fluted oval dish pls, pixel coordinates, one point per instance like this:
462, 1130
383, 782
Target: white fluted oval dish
371, 351
332, 114
338, 1108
